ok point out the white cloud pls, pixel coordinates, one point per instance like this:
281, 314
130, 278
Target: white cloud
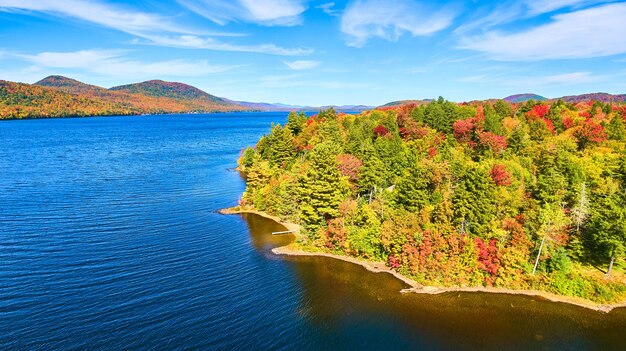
593, 32
364, 19
113, 63
487, 16
302, 64
100, 13
328, 8
537, 7
264, 12
196, 42
156, 29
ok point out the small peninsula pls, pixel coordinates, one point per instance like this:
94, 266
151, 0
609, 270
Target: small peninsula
485, 196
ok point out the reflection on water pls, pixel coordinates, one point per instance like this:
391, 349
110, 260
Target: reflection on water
262, 229
358, 308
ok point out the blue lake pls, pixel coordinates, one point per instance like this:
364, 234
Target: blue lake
110, 240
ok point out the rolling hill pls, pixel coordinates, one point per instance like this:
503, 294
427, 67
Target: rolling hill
172, 90
58, 96
405, 102
524, 97
603, 97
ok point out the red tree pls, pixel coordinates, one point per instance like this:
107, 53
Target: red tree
463, 129
538, 111
496, 143
380, 130
488, 259
393, 262
500, 176
349, 166
590, 132
568, 122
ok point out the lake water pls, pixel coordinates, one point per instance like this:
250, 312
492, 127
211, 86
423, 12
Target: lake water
109, 240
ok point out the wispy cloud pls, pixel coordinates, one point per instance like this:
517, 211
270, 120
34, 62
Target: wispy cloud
264, 12
114, 63
488, 16
593, 32
100, 13
365, 19
197, 42
328, 8
302, 64
537, 7
156, 29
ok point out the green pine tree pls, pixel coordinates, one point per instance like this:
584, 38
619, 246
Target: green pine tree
322, 187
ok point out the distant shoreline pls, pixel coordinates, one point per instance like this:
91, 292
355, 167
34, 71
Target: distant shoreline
415, 287
132, 115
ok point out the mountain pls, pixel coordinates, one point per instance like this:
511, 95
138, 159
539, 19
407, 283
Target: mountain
19, 100
405, 102
69, 85
523, 98
264, 106
58, 96
603, 97
173, 90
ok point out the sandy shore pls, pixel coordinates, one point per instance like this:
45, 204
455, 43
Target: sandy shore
415, 287
239, 210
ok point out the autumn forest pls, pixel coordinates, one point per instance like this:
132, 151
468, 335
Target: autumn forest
526, 195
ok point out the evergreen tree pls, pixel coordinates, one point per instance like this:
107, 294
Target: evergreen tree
503, 109
296, 122
615, 129
249, 157
608, 226
474, 202
322, 188
279, 146
372, 175
493, 121
412, 192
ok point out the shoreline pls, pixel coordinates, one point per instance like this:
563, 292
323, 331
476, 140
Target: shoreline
415, 287
239, 210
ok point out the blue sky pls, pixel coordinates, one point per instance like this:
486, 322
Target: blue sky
323, 52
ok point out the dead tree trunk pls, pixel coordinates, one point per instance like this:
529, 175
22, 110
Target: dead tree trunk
608, 273
539, 254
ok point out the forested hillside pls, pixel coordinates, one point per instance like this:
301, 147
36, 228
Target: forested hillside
58, 96
159, 88
522, 196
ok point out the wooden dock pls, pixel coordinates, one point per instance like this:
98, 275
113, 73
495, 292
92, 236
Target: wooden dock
285, 232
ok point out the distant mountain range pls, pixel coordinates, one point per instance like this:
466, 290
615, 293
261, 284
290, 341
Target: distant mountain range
58, 96
264, 106
603, 97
